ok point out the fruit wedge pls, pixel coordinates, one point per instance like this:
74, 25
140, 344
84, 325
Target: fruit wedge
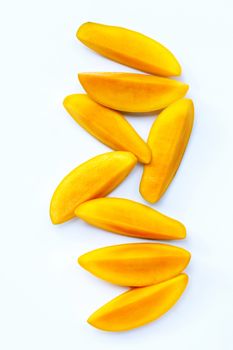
129, 218
130, 48
136, 264
139, 306
94, 178
132, 92
107, 125
168, 139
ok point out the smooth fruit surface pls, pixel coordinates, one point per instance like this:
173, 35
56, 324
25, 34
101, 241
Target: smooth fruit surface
139, 306
136, 264
129, 218
168, 138
130, 48
92, 179
107, 125
132, 92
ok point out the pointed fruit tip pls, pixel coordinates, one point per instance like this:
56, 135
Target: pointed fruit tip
185, 277
77, 210
66, 100
149, 197
80, 260
178, 71
146, 157
130, 157
79, 30
183, 231
53, 219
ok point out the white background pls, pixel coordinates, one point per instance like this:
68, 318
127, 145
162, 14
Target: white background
45, 297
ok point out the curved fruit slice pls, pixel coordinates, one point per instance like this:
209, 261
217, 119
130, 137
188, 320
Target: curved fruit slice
130, 48
129, 218
168, 139
132, 92
92, 179
107, 125
139, 306
136, 264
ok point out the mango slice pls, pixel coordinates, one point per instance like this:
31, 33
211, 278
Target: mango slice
168, 139
107, 125
136, 264
130, 48
132, 92
139, 306
92, 179
129, 218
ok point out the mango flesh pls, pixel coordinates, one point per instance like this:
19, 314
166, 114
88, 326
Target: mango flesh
94, 178
130, 48
107, 125
139, 306
132, 92
136, 264
168, 139
129, 218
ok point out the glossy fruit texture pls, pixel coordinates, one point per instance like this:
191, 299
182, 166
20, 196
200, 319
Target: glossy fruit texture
139, 306
136, 264
107, 125
130, 48
130, 218
168, 139
132, 92
92, 179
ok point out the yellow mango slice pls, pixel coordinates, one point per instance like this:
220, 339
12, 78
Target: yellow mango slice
92, 179
129, 218
107, 125
136, 264
168, 139
132, 92
139, 306
130, 48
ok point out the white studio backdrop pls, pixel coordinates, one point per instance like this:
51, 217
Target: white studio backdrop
45, 297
